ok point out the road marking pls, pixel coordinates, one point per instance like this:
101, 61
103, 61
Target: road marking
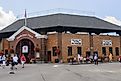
43, 77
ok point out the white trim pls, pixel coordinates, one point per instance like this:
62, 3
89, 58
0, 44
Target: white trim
42, 36
37, 35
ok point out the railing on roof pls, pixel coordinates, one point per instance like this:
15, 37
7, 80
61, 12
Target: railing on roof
57, 10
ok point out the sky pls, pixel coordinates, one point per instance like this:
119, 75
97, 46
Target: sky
12, 10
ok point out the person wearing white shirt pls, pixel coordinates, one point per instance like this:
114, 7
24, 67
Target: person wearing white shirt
3, 61
15, 61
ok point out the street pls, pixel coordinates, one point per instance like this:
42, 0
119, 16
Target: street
63, 72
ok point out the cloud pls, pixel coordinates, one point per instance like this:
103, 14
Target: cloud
6, 18
113, 20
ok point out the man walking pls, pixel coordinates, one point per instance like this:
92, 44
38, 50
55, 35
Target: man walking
96, 59
15, 61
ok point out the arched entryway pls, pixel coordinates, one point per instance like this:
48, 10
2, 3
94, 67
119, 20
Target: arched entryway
26, 47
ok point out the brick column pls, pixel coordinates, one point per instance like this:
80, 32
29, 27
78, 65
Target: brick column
91, 43
120, 45
43, 43
59, 38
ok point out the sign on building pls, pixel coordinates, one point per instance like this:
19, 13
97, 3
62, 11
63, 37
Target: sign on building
25, 49
107, 42
76, 42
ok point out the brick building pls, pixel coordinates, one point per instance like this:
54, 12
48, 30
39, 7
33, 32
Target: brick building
59, 36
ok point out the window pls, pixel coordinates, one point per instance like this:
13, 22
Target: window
69, 51
117, 51
79, 50
54, 51
104, 50
110, 50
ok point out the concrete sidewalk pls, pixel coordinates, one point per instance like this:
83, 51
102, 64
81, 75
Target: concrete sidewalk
63, 72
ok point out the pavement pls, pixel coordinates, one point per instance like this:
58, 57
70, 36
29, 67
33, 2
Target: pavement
63, 72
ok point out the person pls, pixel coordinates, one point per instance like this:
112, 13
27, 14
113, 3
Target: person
84, 60
74, 60
15, 60
3, 61
119, 59
103, 58
81, 59
23, 60
95, 59
8, 60
91, 58
110, 57
87, 59
0, 59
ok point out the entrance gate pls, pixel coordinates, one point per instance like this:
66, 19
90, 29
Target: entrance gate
26, 47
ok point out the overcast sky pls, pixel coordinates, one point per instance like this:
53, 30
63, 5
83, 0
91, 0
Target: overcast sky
11, 10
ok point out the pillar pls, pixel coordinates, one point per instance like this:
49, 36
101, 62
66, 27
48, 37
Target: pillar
120, 42
91, 43
43, 48
120, 45
59, 43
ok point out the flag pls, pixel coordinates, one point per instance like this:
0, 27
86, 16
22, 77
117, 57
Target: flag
25, 15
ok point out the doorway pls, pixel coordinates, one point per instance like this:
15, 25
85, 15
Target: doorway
26, 47
49, 56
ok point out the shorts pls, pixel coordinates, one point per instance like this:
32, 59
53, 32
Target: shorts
22, 62
4, 63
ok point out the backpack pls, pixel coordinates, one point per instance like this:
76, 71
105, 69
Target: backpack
95, 57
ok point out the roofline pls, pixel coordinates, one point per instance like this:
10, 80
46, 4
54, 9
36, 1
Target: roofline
37, 35
63, 25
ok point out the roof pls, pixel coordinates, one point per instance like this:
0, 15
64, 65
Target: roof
37, 35
64, 20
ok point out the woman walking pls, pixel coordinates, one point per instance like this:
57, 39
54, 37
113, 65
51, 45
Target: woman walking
23, 60
110, 57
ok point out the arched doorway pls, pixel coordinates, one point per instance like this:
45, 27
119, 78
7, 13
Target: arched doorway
26, 47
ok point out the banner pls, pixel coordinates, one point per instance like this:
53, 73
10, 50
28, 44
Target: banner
106, 42
25, 49
76, 42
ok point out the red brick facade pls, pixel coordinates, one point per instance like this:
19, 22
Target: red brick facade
63, 41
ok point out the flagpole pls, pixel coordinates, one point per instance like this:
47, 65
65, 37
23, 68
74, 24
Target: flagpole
25, 19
